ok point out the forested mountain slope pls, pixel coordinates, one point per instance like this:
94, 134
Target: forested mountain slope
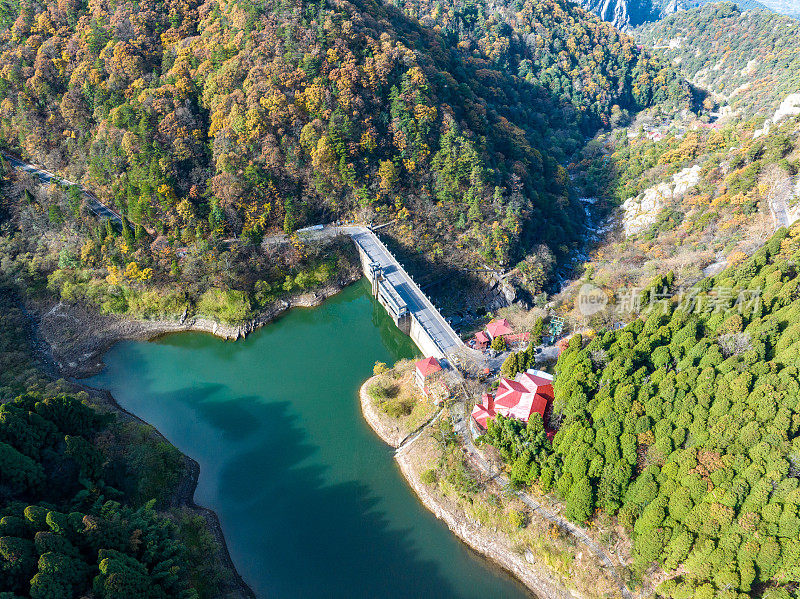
238, 117
684, 427
751, 59
734, 187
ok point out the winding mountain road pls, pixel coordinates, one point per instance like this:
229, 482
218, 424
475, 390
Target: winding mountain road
94, 205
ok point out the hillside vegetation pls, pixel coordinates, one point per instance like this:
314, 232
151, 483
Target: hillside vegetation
52, 248
750, 59
220, 118
85, 496
741, 182
684, 427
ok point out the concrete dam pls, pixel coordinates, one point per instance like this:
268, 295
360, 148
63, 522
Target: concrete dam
412, 311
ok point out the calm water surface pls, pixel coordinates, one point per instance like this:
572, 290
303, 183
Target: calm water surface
311, 501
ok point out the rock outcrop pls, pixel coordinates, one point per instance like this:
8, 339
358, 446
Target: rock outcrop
625, 14
642, 211
789, 107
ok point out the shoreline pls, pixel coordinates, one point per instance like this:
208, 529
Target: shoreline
183, 495
90, 347
536, 579
114, 329
391, 437
74, 338
539, 584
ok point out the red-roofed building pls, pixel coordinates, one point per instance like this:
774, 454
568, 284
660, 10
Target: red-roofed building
499, 328
482, 340
427, 366
428, 376
484, 411
529, 392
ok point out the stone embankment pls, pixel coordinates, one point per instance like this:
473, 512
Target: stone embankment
483, 540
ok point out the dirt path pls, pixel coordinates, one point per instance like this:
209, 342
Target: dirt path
484, 541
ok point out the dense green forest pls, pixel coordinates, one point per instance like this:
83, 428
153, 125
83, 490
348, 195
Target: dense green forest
751, 58
237, 117
684, 426
84, 495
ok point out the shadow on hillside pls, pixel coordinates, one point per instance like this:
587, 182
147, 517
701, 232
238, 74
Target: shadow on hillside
522, 122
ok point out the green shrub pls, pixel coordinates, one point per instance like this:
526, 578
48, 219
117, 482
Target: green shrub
397, 408
428, 477
516, 519
499, 344
229, 306
156, 303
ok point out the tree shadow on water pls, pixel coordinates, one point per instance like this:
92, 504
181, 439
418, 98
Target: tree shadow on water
304, 515
291, 532
297, 535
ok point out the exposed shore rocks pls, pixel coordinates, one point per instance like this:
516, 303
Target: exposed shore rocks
76, 337
390, 435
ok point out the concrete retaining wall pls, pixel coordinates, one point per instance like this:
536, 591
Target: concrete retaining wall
365, 261
425, 343
408, 324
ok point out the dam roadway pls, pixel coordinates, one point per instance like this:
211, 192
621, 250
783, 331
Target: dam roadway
441, 340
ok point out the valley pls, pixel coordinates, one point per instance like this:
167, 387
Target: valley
577, 322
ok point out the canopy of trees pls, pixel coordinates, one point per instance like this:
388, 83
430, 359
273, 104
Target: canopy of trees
685, 426
235, 117
77, 509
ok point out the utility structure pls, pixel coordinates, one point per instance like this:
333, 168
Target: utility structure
556, 326
387, 296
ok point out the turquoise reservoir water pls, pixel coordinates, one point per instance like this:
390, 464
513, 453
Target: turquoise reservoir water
311, 501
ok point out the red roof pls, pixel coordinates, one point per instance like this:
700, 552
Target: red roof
509, 385
538, 384
507, 400
518, 337
428, 366
531, 392
498, 328
484, 412
482, 337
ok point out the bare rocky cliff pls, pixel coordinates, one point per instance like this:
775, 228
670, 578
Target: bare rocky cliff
625, 14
